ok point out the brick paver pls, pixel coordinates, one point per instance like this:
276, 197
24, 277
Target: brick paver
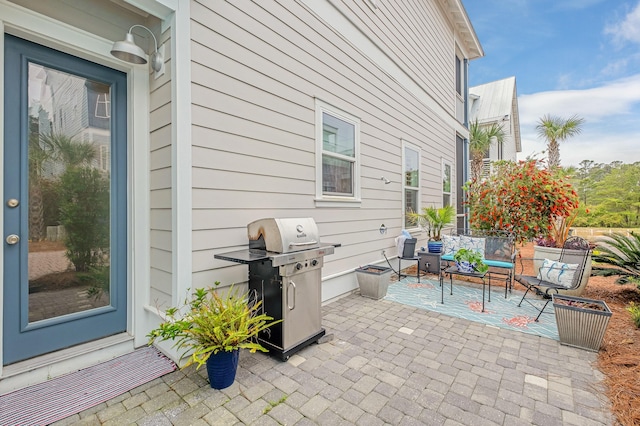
386, 364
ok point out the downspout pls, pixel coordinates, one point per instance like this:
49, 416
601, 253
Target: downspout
465, 154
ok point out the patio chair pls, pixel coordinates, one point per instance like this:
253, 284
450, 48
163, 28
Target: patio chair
409, 253
555, 275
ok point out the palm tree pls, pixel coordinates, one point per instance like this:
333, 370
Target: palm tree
40, 152
555, 129
480, 140
69, 152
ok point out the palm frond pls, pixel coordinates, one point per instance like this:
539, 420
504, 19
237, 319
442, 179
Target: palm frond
621, 253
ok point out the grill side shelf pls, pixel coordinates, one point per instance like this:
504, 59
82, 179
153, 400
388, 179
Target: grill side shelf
245, 256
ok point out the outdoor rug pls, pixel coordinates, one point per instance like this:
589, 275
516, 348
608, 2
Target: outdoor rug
466, 302
64, 396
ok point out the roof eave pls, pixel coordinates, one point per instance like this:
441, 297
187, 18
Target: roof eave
464, 28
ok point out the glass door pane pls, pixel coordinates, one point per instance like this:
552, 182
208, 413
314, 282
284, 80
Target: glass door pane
69, 138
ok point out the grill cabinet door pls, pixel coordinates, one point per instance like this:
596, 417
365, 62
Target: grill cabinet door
301, 307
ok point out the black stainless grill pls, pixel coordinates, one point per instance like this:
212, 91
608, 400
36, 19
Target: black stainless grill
285, 259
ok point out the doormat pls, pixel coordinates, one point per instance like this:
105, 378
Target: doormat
70, 394
466, 302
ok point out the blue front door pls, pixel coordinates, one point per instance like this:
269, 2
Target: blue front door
65, 210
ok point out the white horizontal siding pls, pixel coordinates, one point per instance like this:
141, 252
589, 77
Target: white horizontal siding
417, 36
161, 240
257, 69
160, 175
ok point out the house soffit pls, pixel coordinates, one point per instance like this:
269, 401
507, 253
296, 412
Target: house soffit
161, 9
463, 28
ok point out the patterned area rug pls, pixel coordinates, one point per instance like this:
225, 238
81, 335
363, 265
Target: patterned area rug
64, 396
466, 302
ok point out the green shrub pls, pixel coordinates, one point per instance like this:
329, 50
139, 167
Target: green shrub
634, 310
622, 254
522, 198
98, 279
84, 212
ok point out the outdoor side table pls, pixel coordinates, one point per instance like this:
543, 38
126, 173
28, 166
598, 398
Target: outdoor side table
453, 270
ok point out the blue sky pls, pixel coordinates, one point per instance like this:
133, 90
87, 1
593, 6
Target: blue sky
569, 57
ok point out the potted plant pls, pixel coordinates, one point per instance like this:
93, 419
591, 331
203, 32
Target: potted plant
211, 329
581, 322
373, 280
432, 220
470, 261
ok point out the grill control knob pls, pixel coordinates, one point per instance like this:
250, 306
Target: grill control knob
298, 266
314, 262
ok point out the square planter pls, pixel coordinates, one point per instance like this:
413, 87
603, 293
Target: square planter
581, 322
373, 281
429, 262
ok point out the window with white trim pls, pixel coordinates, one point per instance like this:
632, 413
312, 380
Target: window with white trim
337, 154
410, 181
446, 183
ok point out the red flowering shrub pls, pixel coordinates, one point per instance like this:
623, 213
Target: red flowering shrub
522, 198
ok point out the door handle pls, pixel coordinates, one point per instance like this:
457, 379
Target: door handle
13, 239
291, 307
12, 202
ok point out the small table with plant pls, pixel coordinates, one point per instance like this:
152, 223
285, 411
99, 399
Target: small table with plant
469, 264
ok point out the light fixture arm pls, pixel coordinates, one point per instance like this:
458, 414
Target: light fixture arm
155, 41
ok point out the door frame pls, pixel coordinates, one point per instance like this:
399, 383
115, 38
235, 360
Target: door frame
28, 338
20, 22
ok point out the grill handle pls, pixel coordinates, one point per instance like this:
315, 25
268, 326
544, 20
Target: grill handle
291, 284
308, 243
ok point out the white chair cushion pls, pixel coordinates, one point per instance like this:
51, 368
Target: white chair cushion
557, 272
450, 244
472, 243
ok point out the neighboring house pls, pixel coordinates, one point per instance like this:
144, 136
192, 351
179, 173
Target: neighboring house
497, 102
245, 120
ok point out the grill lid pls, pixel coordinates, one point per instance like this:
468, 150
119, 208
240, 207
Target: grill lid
283, 235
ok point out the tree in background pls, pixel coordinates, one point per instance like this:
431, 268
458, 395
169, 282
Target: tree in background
555, 129
611, 192
83, 200
480, 140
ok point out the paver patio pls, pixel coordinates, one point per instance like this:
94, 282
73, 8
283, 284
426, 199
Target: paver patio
387, 363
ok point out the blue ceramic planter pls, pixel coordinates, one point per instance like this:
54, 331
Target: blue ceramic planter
434, 246
221, 368
464, 266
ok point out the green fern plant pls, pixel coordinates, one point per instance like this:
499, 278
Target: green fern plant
622, 254
210, 323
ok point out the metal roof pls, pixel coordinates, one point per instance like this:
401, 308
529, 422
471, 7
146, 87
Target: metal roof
496, 102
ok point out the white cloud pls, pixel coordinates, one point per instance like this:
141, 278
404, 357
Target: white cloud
628, 29
613, 98
591, 144
611, 130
